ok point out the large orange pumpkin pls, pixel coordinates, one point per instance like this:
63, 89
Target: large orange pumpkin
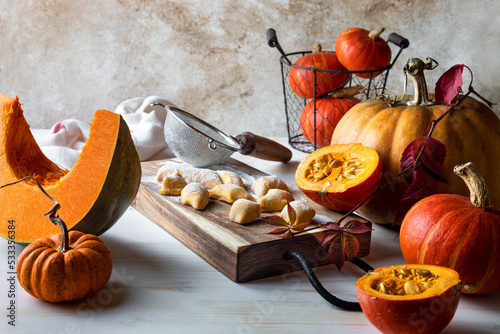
328, 74
470, 133
362, 50
457, 232
93, 194
318, 127
339, 177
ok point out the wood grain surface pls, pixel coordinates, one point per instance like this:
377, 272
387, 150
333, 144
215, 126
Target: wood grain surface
241, 252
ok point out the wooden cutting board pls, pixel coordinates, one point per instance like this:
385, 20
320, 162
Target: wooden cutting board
241, 252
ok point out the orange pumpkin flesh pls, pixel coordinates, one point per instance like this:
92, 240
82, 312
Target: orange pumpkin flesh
417, 310
302, 80
93, 194
450, 230
339, 177
329, 111
362, 50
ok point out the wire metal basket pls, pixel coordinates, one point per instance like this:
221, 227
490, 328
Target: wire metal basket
371, 86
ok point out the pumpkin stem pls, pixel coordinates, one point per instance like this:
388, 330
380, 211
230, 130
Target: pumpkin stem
415, 68
317, 48
374, 34
479, 191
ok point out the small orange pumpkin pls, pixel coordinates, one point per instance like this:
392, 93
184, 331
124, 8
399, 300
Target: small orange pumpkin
318, 128
457, 232
307, 83
409, 298
362, 50
339, 177
67, 266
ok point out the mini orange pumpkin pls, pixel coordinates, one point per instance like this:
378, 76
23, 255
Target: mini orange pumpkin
318, 127
362, 50
339, 177
457, 232
330, 74
66, 267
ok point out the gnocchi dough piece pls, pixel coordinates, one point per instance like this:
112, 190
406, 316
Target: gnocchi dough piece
228, 177
230, 193
208, 178
262, 185
275, 200
303, 212
195, 195
172, 184
165, 171
244, 211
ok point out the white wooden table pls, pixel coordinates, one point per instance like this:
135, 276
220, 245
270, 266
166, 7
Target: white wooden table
159, 285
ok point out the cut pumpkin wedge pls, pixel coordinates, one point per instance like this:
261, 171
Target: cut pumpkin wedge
93, 194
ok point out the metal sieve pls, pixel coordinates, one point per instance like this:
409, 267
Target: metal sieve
200, 144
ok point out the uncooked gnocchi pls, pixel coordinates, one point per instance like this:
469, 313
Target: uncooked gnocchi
244, 211
228, 177
275, 200
172, 184
196, 195
208, 178
229, 193
262, 185
303, 212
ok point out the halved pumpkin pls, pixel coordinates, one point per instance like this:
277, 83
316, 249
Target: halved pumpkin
93, 194
339, 177
409, 298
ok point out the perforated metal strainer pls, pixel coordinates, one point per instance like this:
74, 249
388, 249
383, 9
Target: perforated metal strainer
199, 144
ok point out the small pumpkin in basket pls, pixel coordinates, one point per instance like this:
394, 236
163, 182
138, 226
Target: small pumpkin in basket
339, 177
318, 127
307, 83
362, 50
66, 267
457, 232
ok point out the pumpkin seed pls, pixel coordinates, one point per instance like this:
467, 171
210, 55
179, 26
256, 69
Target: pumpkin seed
411, 288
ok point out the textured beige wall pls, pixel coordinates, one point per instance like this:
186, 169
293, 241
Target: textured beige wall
65, 59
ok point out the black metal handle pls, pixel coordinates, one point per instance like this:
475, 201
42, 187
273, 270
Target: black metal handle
398, 40
349, 306
272, 41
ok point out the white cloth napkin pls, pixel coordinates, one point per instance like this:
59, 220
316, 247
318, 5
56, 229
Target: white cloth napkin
67, 137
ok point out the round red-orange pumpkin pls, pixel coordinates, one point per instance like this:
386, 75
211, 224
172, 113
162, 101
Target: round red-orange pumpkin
362, 50
301, 77
318, 128
339, 177
457, 232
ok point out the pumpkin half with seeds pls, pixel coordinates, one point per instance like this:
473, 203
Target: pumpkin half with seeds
409, 298
339, 177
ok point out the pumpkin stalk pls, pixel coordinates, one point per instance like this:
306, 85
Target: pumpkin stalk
479, 191
415, 68
374, 34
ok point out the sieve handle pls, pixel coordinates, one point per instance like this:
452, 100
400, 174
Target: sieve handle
263, 148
